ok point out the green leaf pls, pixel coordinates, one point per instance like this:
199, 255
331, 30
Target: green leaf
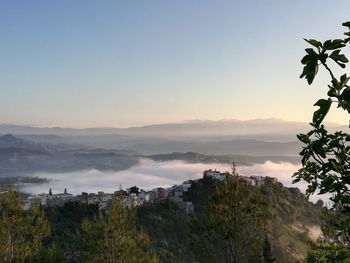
339, 58
344, 79
311, 188
311, 56
314, 42
321, 113
311, 52
336, 84
296, 180
333, 44
332, 92
310, 60
345, 94
305, 158
309, 72
347, 24
326, 184
323, 57
303, 138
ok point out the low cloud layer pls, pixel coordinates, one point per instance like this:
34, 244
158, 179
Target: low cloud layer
149, 174
283, 171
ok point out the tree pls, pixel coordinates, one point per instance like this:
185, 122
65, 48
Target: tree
234, 227
325, 155
21, 232
134, 190
328, 253
65, 223
52, 254
114, 238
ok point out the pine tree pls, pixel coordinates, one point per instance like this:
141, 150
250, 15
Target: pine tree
234, 226
114, 238
21, 232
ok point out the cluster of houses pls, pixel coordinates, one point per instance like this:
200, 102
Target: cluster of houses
134, 196
254, 179
129, 198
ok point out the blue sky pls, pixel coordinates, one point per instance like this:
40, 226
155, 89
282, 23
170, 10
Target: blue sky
120, 63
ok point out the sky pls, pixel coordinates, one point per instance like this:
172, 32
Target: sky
123, 63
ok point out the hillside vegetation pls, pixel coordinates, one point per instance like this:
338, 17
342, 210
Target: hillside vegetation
277, 222
294, 225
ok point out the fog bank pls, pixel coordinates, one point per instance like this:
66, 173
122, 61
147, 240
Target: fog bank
149, 174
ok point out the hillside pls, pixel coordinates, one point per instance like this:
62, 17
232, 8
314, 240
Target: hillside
20, 157
295, 223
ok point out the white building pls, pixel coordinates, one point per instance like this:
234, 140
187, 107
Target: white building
214, 175
186, 185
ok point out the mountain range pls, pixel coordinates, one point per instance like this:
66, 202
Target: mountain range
268, 128
19, 157
254, 137
26, 149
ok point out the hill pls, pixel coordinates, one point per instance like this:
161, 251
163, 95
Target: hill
10, 141
19, 157
294, 227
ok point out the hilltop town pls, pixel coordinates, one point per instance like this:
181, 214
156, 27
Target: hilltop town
163, 213
135, 196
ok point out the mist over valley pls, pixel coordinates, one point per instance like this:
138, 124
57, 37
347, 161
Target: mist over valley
91, 160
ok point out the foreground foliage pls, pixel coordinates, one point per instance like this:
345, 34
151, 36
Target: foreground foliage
325, 155
234, 226
81, 233
21, 232
114, 238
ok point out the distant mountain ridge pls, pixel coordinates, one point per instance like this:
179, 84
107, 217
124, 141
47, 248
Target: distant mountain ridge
270, 137
10, 141
20, 157
192, 157
192, 129
220, 147
32, 149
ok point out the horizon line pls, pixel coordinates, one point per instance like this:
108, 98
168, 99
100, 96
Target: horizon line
54, 126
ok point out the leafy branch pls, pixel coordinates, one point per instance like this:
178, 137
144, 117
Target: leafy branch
326, 156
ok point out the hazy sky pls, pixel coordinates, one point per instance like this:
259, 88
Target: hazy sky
119, 63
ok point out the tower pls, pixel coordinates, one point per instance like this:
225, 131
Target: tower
234, 171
